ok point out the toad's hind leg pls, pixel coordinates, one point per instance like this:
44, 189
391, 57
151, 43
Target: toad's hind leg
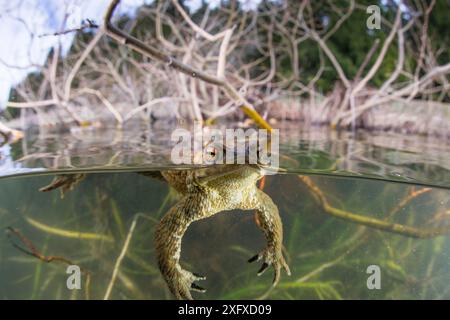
270, 223
168, 239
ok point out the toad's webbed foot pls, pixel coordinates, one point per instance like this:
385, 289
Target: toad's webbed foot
270, 223
272, 257
181, 282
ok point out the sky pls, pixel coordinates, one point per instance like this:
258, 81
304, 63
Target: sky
22, 22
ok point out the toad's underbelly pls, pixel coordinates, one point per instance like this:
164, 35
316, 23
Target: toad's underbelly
229, 198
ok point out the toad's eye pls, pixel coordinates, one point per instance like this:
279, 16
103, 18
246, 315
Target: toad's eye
211, 153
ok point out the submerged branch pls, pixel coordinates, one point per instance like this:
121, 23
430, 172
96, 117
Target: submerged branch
411, 196
372, 222
31, 250
68, 233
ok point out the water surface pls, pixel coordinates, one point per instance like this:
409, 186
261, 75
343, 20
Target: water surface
393, 178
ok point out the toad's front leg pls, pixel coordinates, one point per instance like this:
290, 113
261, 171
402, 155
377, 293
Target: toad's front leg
270, 223
64, 181
168, 239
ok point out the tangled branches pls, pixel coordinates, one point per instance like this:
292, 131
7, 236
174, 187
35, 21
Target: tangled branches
206, 65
